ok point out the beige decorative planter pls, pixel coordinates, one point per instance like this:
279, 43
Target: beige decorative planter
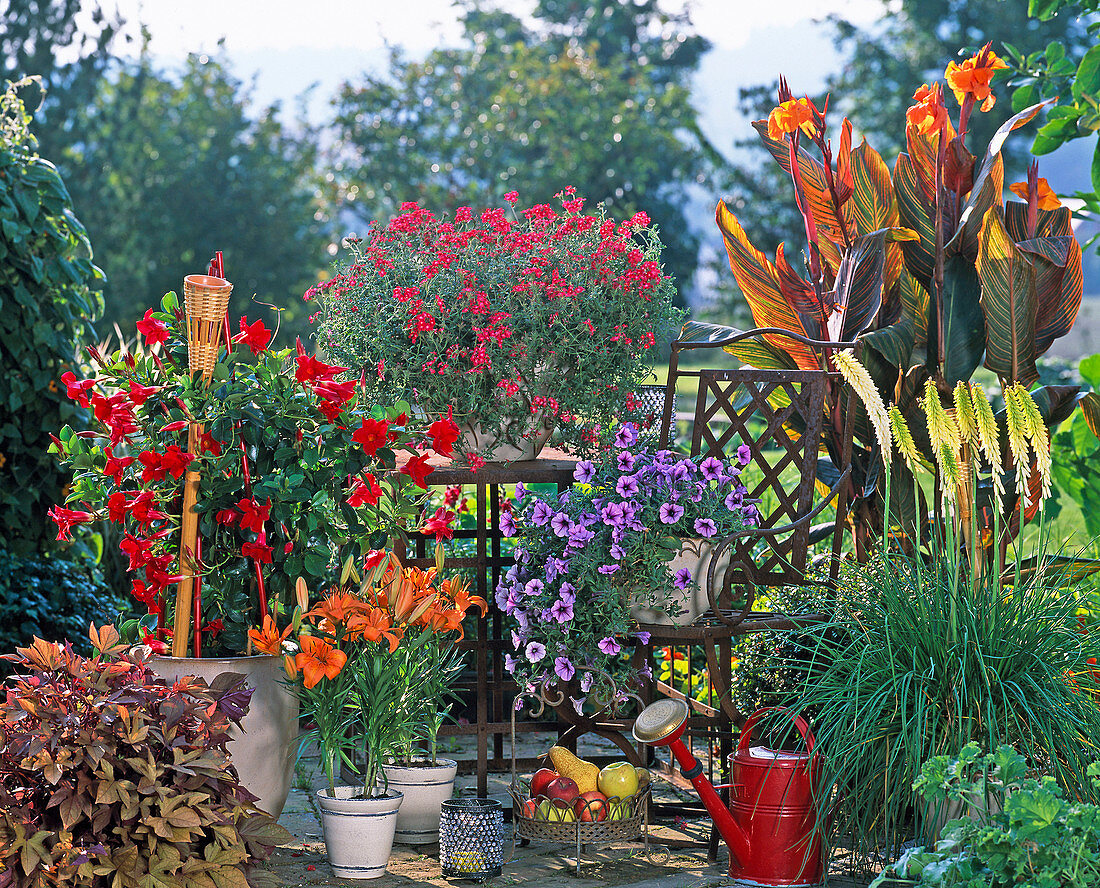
695, 555
425, 787
358, 831
265, 748
475, 439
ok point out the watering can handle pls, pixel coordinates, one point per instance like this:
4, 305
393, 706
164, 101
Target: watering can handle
754, 719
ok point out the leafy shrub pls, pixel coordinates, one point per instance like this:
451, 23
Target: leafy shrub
110, 776
1026, 833
46, 296
51, 598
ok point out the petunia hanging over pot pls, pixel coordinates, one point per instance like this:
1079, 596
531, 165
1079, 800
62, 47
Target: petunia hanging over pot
522, 324
294, 470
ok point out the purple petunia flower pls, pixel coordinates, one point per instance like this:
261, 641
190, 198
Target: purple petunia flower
733, 500
752, 515
612, 514
642, 636
705, 527
500, 596
510, 663
541, 513
534, 587
535, 651
560, 524
587, 680
521, 492
683, 578
744, 454
584, 472
670, 513
517, 640
625, 461
609, 645
626, 436
608, 569
627, 486
562, 610
617, 552
555, 567
507, 524
514, 598
568, 593
520, 616
711, 469
564, 668
683, 470
578, 536
697, 493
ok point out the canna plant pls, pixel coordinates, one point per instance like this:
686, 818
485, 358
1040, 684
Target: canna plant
926, 265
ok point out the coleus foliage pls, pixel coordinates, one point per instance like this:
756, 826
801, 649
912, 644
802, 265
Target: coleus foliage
111, 776
925, 264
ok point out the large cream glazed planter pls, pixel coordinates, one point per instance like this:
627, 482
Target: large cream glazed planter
264, 749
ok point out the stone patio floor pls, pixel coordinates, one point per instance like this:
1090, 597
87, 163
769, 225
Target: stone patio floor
677, 854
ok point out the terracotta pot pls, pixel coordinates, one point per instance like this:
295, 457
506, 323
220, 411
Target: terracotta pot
425, 787
358, 831
695, 555
265, 748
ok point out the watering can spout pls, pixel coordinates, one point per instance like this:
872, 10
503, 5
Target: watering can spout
662, 724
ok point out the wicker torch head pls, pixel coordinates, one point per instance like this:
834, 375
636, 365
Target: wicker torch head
206, 299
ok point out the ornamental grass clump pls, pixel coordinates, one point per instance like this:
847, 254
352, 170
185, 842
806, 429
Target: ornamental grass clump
921, 655
586, 557
519, 324
110, 776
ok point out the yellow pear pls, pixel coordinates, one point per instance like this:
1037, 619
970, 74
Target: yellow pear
584, 773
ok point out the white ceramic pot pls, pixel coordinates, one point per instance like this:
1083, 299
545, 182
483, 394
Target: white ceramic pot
358, 831
693, 602
265, 748
425, 787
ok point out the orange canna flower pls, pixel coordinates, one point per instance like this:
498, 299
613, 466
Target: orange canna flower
1048, 200
973, 77
318, 659
929, 116
794, 114
269, 640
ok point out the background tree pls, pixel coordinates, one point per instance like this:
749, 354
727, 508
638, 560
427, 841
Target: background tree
170, 166
590, 93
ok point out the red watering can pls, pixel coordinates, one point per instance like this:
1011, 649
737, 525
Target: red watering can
770, 826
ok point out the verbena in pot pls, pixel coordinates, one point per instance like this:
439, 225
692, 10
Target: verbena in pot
586, 557
357, 660
110, 775
519, 324
291, 470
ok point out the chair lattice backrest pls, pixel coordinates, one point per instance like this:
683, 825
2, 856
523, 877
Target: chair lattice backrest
780, 416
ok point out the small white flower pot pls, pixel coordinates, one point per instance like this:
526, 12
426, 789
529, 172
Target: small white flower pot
358, 831
425, 787
694, 601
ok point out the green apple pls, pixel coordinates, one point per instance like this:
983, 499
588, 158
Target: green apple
618, 780
643, 776
547, 810
619, 810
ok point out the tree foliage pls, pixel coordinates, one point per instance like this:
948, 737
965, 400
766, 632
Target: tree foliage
47, 293
592, 93
173, 165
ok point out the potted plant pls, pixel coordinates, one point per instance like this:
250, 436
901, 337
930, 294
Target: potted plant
588, 558
519, 324
281, 471
416, 770
358, 660
107, 772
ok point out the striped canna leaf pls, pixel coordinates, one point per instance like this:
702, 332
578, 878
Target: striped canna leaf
759, 282
915, 213
873, 206
1008, 302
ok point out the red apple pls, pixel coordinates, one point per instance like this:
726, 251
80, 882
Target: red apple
562, 789
540, 780
590, 806
530, 809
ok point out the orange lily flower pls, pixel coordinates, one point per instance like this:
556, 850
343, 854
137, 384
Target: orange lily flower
973, 77
374, 625
318, 659
791, 115
1048, 200
335, 609
269, 640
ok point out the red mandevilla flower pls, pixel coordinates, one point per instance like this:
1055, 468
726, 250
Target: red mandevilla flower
152, 329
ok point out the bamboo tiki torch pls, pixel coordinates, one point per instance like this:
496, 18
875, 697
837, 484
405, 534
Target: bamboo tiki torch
206, 299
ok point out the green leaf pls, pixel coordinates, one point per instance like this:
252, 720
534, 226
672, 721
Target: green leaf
964, 322
1087, 81
1089, 368
1008, 302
